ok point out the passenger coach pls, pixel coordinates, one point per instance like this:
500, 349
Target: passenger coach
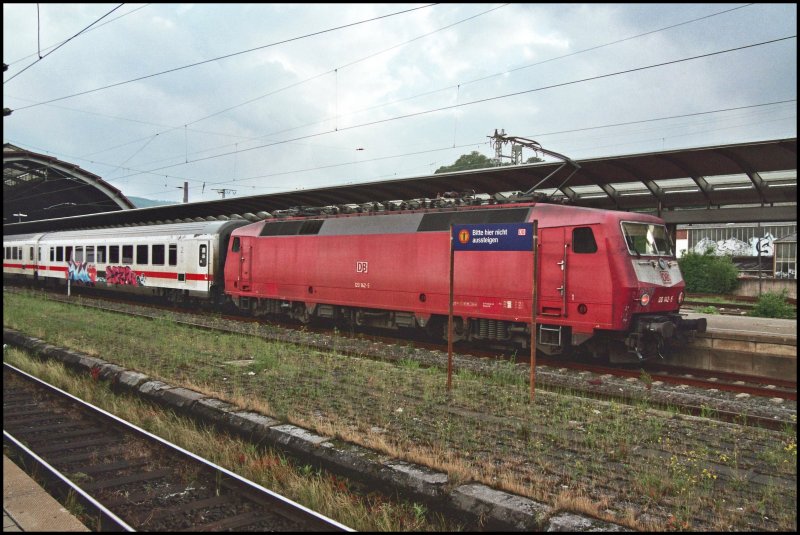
176, 261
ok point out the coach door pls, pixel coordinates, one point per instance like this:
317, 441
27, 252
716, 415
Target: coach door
552, 272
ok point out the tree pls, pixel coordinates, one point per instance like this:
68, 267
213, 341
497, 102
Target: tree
473, 160
476, 160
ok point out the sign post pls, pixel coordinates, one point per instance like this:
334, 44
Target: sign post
493, 237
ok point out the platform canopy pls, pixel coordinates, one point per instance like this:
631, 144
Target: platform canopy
747, 182
36, 186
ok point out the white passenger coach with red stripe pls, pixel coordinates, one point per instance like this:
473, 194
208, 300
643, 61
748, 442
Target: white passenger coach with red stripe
176, 261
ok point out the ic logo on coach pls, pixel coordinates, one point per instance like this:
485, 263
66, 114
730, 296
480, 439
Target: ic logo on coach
362, 267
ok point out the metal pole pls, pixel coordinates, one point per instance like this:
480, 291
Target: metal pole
533, 311
450, 318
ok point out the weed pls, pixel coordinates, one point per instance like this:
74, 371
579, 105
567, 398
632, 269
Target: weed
647, 379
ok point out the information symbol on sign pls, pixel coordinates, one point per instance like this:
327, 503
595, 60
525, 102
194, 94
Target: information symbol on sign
463, 236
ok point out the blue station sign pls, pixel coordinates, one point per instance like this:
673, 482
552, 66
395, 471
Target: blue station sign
493, 237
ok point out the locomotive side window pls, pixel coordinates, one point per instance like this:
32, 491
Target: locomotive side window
113, 254
583, 240
158, 255
141, 254
127, 254
101, 254
236, 245
203, 255
173, 254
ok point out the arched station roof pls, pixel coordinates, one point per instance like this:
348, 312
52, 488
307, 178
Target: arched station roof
42, 187
746, 182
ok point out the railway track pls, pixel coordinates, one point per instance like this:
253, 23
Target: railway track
132, 480
701, 379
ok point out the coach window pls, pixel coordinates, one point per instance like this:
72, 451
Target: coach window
79, 254
127, 254
68, 253
158, 255
173, 254
101, 254
203, 255
90, 254
33, 259
141, 254
583, 240
113, 254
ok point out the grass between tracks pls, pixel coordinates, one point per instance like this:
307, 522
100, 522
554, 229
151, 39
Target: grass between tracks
314, 488
646, 469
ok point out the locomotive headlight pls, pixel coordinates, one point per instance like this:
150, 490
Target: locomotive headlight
644, 299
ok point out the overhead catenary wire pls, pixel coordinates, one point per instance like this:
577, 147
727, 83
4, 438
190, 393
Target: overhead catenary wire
295, 84
239, 181
62, 44
218, 58
480, 101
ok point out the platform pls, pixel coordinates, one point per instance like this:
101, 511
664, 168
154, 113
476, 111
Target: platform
763, 347
28, 507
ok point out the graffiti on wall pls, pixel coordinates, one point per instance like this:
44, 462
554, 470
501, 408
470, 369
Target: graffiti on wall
736, 247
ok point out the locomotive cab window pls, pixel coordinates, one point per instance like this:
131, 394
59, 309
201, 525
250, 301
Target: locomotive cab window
583, 240
647, 239
203, 255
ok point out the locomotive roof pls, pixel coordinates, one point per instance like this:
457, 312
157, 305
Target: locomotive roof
428, 220
195, 228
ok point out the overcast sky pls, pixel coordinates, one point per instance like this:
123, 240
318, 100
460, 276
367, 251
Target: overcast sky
313, 95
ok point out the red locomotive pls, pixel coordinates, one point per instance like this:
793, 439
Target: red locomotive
607, 281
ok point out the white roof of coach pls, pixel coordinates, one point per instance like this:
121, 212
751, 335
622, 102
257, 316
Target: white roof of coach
199, 228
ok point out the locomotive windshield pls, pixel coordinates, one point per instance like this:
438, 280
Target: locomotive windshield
647, 239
